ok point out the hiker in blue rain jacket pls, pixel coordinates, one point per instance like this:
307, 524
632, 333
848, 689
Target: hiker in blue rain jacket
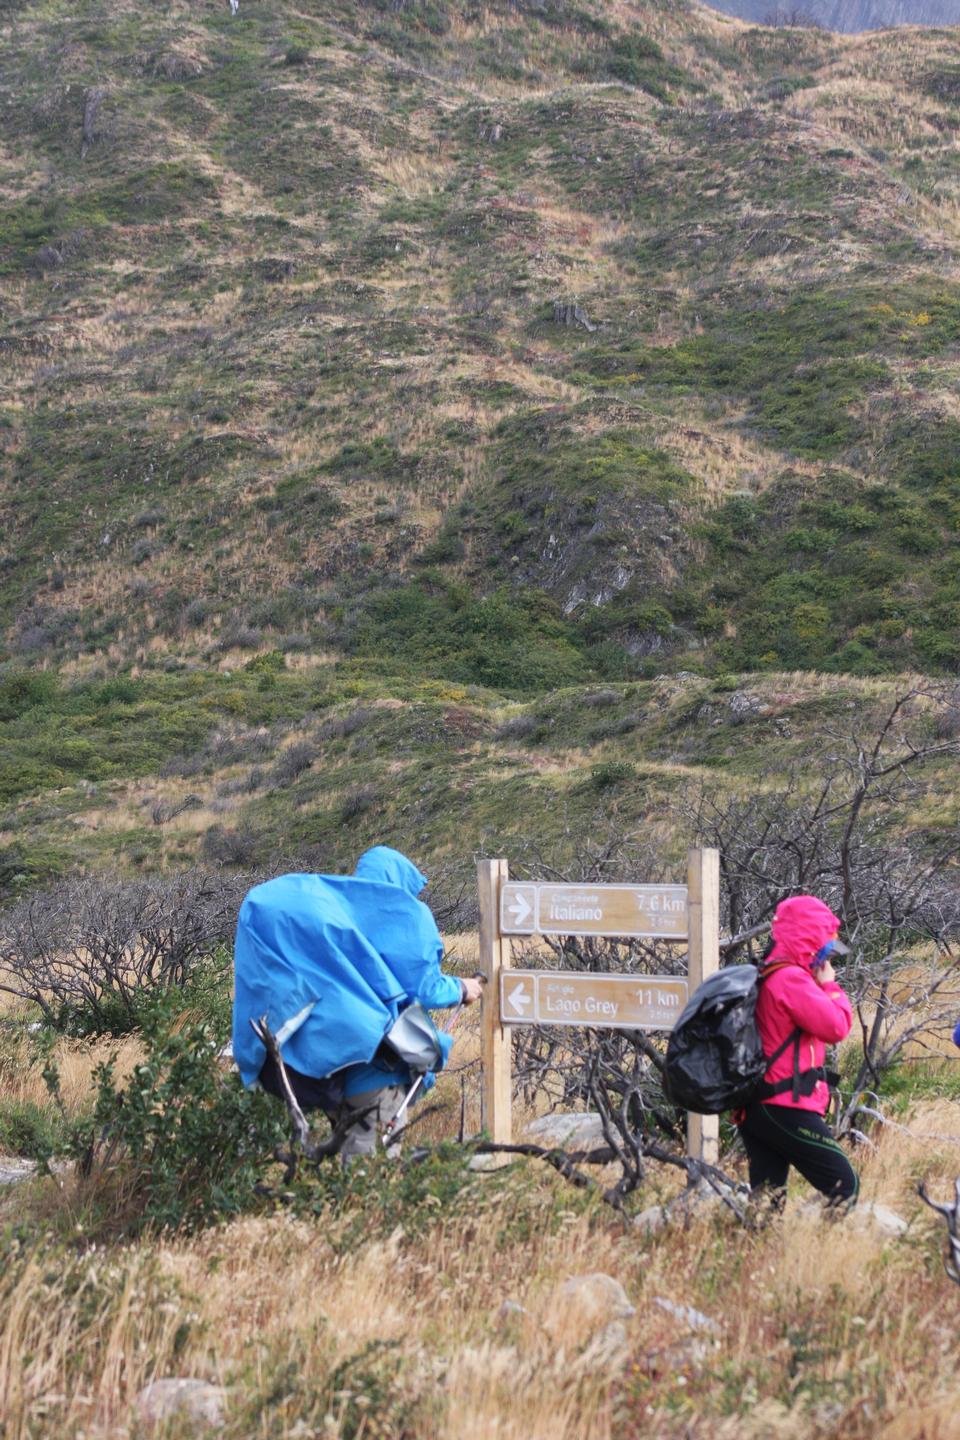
956, 1034
331, 961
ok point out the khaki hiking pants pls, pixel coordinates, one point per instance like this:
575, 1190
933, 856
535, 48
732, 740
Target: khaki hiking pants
361, 1138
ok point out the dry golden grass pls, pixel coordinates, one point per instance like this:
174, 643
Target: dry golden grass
808, 1315
22, 1083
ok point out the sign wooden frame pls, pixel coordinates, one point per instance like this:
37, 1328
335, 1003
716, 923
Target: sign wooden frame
703, 958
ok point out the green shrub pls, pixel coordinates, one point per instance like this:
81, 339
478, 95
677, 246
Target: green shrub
511, 640
29, 1129
611, 773
179, 1143
638, 60
23, 690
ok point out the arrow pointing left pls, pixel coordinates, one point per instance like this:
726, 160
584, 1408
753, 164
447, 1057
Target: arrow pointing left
519, 999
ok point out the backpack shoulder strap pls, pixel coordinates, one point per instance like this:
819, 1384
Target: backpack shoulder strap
794, 1083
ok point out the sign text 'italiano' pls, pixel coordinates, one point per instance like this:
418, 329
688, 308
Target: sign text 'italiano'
633, 911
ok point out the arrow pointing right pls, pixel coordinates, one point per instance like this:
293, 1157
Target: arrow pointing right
519, 999
520, 908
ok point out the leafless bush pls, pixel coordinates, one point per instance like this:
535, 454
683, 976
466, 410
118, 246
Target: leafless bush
791, 17
358, 801
292, 762
166, 810
297, 640
238, 636
947, 726
33, 638
517, 727
196, 612
88, 949
229, 745
241, 847
338, 727
247, 784
452, 895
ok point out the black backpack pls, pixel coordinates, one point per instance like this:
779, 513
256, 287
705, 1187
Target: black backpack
715, 1058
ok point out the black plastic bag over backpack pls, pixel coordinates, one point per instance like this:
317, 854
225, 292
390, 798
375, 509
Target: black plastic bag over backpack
715, 1060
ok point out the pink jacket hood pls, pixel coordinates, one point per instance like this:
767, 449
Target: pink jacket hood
802, 925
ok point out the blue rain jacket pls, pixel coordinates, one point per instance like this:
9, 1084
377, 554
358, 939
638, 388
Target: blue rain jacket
331, 960
956, 1034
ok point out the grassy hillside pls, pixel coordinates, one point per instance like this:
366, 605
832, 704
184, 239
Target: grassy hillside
281, 341
451, 355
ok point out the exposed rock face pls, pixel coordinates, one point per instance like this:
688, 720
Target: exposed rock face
575, 1130
194, 1400
849, 15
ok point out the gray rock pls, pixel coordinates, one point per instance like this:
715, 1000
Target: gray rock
654, 1218
695, 1319
871, 1215
575, 1130
13, 1170
196, 1400
693, 1351
597, 1297
608, 1350
482, 1163
696, 1200
743, 706
568, 312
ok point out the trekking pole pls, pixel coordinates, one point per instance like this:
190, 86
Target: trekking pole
389, 1128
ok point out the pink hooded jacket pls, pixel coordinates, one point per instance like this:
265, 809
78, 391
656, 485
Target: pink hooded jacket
791, 999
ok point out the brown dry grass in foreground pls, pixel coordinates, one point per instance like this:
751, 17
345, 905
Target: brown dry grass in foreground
348, 1325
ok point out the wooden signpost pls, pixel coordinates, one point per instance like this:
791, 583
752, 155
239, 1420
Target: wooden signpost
689, 913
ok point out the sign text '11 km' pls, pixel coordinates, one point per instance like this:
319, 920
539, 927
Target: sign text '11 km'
654, 911
621, 1002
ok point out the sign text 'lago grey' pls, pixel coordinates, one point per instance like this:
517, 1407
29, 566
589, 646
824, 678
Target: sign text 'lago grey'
640, 911
610, 1002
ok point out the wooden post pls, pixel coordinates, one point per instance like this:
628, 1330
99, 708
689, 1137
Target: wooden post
495, 956
703, 884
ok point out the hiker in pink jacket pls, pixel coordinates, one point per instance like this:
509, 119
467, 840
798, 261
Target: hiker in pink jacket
801, 1010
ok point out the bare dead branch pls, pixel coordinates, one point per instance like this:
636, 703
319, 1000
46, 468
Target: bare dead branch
951, 1214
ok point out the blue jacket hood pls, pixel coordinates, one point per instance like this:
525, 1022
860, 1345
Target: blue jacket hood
389, 867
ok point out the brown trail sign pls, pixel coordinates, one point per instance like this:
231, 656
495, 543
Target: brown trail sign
688, 913
607, 1002
633, 911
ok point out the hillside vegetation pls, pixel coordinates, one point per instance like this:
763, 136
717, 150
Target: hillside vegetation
442, 353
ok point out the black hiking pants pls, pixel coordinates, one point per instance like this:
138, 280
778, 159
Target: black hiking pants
778, 1136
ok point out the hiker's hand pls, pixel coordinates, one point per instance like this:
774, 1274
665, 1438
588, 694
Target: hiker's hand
472, 990
824, 973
